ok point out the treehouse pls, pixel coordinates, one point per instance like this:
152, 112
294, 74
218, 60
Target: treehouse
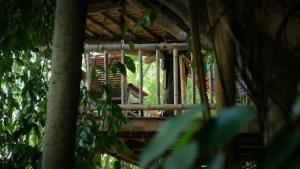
153, 33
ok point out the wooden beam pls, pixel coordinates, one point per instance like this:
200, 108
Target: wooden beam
150, 46
99, 26
136, 107
101, 6
162, 21
148, 31
115, 22
89, 32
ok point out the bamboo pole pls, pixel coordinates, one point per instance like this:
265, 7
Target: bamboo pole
196, 46
193, 82
151, 46
212, 82
175, 76
88, 72
141, 96
182, 79
137, 107
105, 66
124, 96
157, 77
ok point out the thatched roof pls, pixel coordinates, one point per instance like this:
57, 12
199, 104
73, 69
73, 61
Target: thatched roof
104, 22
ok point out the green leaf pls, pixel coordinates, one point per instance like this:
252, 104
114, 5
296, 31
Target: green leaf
121, 68
167, 135
182, 158
231, 121
218, 131
131, 45
129, 64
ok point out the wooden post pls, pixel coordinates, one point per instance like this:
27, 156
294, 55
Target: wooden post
124, 97
88, 71
157, 77
105, 67
141, 96
212, 82
175, 75
182, 79
193, 81
196, 46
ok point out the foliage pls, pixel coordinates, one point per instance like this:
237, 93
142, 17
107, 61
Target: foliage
202, 138
210, 138
103, 113
24, 26
25, 39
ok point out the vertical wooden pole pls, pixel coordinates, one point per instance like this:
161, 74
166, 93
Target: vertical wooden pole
105, 67
88, 71
196, 46
212, 82
182, 79
175, 76
141, 96
193, 82
157, 77
124, 97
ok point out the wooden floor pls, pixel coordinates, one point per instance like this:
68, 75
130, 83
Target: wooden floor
138, 133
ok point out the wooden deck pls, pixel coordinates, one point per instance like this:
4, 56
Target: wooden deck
139, 132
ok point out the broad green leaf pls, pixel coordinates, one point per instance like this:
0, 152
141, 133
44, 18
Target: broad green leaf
168, 135
182, 158
230, 121
121, 68
129, 64
219, 130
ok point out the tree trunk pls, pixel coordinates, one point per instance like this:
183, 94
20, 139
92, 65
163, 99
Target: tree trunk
63, 96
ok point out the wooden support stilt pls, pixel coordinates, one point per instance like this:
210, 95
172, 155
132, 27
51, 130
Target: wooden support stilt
193, 82
157, 77
141, 96
175, 75
124, 98
182, 79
